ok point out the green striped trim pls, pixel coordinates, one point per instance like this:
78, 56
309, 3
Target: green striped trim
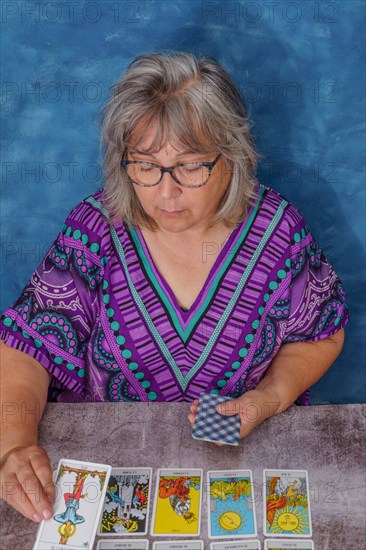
184, 381
186, 333
141, 305
237, 292
98, 205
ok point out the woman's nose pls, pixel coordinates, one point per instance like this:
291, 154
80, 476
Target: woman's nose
168, 187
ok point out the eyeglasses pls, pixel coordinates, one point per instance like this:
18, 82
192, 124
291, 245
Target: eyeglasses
148, 174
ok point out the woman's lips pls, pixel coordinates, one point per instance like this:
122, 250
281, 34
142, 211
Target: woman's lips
172, 212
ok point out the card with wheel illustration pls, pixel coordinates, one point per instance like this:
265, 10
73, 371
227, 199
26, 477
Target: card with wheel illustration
177, 503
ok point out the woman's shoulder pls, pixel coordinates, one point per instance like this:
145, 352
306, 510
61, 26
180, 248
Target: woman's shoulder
287, 213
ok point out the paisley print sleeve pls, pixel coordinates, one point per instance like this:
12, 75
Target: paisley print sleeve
53, 317
318, 306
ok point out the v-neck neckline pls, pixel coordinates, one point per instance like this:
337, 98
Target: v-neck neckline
165, 285
184, 323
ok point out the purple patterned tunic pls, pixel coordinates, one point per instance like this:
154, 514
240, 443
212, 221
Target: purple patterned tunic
100, 317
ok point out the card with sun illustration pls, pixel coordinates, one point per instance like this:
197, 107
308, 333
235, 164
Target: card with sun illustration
177, 504
126, 505
286, 503
288, 544
231, 511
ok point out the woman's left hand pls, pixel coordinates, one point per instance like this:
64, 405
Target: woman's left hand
253, 408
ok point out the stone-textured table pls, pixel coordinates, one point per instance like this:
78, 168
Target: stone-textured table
328, 441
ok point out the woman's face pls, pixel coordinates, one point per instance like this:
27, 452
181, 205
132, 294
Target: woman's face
175, 208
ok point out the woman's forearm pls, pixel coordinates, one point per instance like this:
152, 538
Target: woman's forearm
23, 394
297, 366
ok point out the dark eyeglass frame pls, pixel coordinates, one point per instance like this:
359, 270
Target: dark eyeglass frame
210, 165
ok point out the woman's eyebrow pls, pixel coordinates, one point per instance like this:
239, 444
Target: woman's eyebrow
181, 153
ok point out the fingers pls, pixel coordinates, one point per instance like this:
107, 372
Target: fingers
229, 408
26, 479
192, 415
13, 493
42, 467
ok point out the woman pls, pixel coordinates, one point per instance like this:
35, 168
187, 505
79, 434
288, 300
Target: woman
183, 275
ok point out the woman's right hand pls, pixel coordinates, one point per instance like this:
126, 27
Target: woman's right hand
26, 482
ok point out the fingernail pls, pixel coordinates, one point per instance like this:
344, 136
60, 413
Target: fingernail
47, 514
36, 518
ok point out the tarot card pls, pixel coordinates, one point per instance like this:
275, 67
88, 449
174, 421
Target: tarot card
210, 425
80, 493
286, 503
177, 503
136, 544
126, 505
231, 511
288, 544
179, 545
247, 545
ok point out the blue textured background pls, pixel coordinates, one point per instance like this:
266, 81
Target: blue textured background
300, 67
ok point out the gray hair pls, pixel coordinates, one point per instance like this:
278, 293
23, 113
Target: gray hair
195, 102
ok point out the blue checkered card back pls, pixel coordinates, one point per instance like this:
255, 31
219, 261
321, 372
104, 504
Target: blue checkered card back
212, 426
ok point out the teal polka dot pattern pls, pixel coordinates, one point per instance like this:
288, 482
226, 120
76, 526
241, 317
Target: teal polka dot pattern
118, 386
279, 310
